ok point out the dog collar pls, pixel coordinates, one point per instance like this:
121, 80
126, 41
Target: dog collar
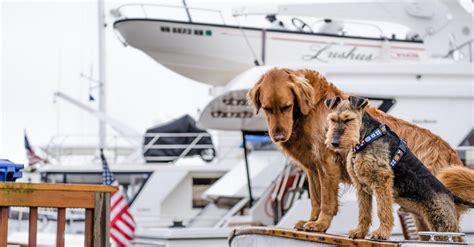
371, 137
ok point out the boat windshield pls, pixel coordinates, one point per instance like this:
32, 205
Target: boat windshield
259, 143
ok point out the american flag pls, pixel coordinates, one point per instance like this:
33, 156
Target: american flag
32, 157
122, 224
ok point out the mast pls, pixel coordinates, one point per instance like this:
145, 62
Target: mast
101, 64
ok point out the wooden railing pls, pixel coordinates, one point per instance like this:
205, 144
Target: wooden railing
95, 199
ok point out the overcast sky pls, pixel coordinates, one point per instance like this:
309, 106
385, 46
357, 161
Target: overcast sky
44, 48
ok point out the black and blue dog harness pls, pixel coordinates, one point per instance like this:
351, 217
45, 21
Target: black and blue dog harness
376, 134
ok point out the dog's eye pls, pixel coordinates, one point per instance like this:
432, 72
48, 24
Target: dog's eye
286, 108
268, 110
348, 120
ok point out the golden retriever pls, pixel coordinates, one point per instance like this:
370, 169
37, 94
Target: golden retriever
293, 102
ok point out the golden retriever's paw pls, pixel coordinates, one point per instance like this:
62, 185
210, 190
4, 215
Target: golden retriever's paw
459, 239
316, 226
358, 232
380, 234
300, 225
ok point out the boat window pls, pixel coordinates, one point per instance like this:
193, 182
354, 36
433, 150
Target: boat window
131, 182
469, 140
200, 185
466, 150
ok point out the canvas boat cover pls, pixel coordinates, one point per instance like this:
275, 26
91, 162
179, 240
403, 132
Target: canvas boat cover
167, 142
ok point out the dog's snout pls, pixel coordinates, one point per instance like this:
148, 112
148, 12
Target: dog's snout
279, 135
336, 138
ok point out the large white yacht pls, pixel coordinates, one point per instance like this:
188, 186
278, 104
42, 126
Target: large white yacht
413, 59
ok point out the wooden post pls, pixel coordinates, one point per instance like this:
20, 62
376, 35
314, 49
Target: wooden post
32, 225
88, 228
61, 227
101, 220
106, 223
3, 226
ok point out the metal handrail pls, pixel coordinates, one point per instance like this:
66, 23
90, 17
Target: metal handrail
379, 29
118, 13
459, 47
449, 235
57, 144
186, 147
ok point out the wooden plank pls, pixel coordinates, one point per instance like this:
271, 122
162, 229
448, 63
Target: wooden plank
106, 223
88, 227
52, 199
316, 237
3, 226
33, 226
99, 231
61, 225
57, 187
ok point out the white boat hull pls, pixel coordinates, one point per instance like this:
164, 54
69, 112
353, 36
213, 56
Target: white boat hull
215, 54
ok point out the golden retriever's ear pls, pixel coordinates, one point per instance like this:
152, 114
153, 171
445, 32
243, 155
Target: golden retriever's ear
303, 92
332, 102
358, 102
253, 96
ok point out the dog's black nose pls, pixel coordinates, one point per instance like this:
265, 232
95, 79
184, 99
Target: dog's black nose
335, 144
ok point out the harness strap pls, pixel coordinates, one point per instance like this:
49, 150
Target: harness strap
377, 133
371, 137
398, 155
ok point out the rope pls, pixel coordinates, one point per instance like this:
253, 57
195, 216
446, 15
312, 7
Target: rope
257, 63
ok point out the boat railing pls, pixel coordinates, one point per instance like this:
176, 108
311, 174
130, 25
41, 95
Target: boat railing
468, 44
449, 235
186, 148
95, 199
146, 10
70, 148
123, 149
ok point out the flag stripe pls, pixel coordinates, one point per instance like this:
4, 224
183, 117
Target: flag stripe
124, 228
128, 219
120, 232
123, 221
122, 224
118, 238
118, 209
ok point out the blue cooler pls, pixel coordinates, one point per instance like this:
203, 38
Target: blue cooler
10, 171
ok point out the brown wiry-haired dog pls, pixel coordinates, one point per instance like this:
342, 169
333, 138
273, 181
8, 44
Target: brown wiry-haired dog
380, 163
293, 101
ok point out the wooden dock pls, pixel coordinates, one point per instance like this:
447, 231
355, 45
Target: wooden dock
95, 199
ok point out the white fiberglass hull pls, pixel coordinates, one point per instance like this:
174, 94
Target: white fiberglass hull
215, 54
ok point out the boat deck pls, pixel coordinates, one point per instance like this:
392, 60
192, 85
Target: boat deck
275, 237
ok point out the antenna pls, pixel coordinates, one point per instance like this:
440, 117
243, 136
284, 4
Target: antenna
102, 97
